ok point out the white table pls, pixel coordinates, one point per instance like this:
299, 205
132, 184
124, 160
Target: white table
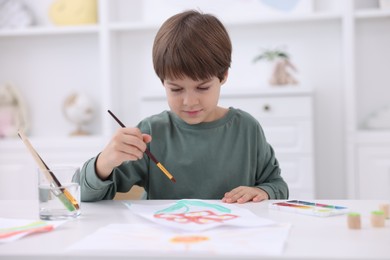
310, 237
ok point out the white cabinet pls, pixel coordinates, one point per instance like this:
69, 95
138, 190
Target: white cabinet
373, 171
288, 125
370, 152
18, 170
286, 116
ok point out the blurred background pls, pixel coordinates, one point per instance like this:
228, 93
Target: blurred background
313, 72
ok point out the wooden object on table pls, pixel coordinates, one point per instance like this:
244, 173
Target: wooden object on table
385, 207
354, 221
378, 218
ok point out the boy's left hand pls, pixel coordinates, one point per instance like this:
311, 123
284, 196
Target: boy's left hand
244, 194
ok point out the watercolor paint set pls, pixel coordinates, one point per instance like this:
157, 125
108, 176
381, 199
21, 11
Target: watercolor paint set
309, 208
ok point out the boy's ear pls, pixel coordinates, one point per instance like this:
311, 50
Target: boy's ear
225, 77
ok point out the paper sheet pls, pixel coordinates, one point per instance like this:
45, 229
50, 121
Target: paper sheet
198, 215
142, 238
14, 229
189, 226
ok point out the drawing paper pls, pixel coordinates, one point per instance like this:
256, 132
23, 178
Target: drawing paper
152, 239
198, 215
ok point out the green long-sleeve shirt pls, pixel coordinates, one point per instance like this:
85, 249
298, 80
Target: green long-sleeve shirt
206, 159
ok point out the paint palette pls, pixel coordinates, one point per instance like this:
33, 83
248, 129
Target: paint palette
309, 208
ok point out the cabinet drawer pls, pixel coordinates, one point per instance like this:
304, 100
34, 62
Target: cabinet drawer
18, 181
271, 107
290, 136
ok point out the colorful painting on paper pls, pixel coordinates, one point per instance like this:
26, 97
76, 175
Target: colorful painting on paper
197, 215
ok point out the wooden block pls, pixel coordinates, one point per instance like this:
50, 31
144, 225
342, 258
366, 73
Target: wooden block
378, 218
354, 220
386, 209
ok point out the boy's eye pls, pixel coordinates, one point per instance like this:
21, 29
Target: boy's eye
203, 88
176, 89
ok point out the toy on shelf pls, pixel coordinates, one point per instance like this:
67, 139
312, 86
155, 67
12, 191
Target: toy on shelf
15, 14
13, 114
73, 12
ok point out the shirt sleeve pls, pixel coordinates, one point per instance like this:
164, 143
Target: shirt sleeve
268, 171
92, 187
121, 179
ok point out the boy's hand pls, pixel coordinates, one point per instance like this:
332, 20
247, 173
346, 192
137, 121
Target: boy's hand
244, 194
127, 144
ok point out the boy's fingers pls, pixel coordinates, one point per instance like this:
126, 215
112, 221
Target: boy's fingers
146, 138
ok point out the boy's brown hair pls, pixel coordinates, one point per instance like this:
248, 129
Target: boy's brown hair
192, 44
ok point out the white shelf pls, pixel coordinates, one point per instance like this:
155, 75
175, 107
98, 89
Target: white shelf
67, 150
294, 18
39, 31
67, 142
133, 26
372, 13
373, 137
141, 25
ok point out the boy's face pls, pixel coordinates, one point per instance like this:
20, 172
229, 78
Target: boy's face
194, 101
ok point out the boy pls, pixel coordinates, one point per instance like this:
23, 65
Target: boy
212, 152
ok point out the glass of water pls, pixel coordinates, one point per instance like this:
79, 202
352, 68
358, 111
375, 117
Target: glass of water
59, 193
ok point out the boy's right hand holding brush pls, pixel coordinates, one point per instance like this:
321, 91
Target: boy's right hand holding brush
127, 144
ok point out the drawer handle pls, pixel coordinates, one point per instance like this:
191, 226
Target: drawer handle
266, 108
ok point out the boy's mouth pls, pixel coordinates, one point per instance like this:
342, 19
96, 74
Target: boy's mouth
192, 112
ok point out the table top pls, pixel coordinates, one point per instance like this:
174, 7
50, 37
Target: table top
310, 237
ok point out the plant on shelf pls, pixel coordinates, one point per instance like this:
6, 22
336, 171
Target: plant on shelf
283, 68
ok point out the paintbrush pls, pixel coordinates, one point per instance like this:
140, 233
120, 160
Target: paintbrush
151, 156
63, 194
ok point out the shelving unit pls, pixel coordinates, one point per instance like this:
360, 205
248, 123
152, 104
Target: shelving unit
111, 62
368, 150
101, 48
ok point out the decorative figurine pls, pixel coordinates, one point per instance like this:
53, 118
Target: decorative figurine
281, 74
79, 110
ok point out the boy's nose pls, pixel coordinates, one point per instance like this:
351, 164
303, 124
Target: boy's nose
190, 99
